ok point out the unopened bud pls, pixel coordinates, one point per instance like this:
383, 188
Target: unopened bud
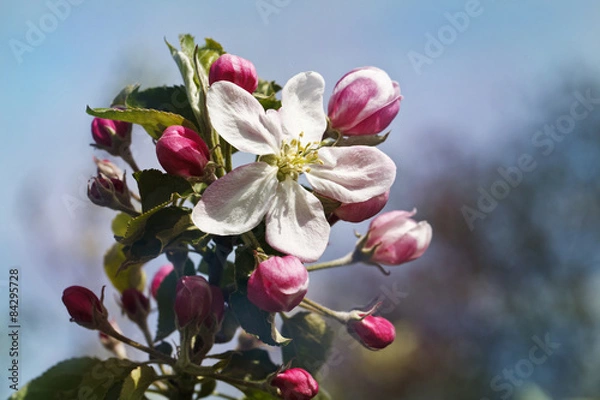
296, 384
193, 300
364, 102
394, 238
234, 69
278, 284
182, 152
373, 332
84, 307
112, 136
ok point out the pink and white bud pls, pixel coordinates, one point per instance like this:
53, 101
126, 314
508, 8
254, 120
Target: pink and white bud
84, 307
234, 69
364, 102
181, 152
108, 169
296, 384
395, 238
135, 305
159, 277
375, 333
358, 212
111, 135
278, 284
193, 300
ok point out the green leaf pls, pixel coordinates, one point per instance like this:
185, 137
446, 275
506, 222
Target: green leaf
132, 277
103, 376
265, 94
153, 121
64, 377
165, 298
207, 388
121, 98
229, 327
172, 99
252, 365
188, 44
149, 234
209, 53
119, 224
311, 341
256, 321
157, 188
138, 381
195, 89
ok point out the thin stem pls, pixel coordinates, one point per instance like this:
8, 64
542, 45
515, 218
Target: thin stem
224, 396
309, 304
340, 262
128, 158
155, 353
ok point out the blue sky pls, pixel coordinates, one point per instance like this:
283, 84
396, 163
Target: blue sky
486, 74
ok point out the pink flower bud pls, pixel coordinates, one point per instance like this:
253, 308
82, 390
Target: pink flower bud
234, 69
296, 384
135, 305
108, 170
159, 277
364, 102
278, 284
84, 307
398, 238
193, 300
374, 333
109, 192
181, 152
358, 212
105, 130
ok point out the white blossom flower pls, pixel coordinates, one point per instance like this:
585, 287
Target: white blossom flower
288, 143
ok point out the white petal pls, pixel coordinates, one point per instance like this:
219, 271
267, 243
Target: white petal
302, 107
238, 201
240, 119
352, 174
296, 223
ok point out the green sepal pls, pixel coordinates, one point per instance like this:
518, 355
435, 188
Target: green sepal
153, 121
311, 341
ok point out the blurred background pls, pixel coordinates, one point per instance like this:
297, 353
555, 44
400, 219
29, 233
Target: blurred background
497, 145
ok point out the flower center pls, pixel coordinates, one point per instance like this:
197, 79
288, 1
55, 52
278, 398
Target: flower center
294, 158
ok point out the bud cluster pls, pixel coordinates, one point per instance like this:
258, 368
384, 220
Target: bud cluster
258, 229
